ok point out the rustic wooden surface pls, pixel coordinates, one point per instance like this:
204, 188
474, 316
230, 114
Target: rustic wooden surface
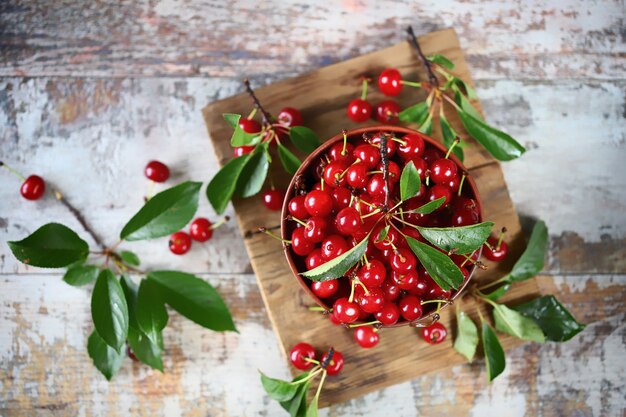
91, 91
366, 370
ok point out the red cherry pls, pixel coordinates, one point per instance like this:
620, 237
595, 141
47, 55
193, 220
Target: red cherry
333, 318
200, 229
366, 336
372, 274
242, 150
494, 253
296, 207
180, 243
435, 333
318, 203
249, 125
341, 198
372, 301
290, 117
376, 186
421, 285
442, 170
394, 171
346, 311
406, 281
388, 315
314, 259
387, 112
157, 171
421, 166
390, 82
338, 153
357, 175
431, 154
391, 290
453, 184
325, 289
300, 244
131, 354
411, 146
359, 110
403, 261
367, 154
316, 229
464, 203
392, 237
437, 191
334, 174
392, 145
464, 217
333, 246
299, 355
348, 221
33, 188
273, 199
336, 363
435, 292
410, 307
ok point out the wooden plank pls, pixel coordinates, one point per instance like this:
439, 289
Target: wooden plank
365, 371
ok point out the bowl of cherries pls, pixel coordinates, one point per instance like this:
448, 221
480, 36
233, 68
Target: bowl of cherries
355, 216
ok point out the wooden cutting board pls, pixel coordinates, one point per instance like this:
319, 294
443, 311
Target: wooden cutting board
322, 96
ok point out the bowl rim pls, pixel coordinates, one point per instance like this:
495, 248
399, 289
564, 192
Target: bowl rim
289, 194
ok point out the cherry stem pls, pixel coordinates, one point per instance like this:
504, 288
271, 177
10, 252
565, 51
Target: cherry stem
449, 100
413, 40
219, 223
364, 89
373, 213
454, 143
411, 83
319, 387
20, 176
318, 308
435, 301
400, 141
78, 215
311, 360
461, 184
351, 298
297, 220
502, 232
405, 222
345, 142
492, 284
312, 375
369, 323
266, 116
367, 292
267, 232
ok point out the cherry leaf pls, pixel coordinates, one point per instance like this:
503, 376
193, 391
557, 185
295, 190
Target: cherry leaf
532, 260
449, 135
290, 162
429, 207
222, 187
494, 354
417, 113
557, 324
441, 60
499, 144
513, 323
462, 240
106, 359
150, 311
109, 310
304, 139
81, 275
337, 267
240, 137
466, 339
410, 182
253, 173
440, 267
277, 389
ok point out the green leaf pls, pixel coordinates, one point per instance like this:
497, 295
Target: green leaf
311, 410
109, 310
513, 323
106, 359
240, 137
441, 60
383, 234
165, 213
232, 119
429, 207
222, 186
130, 290
466, 106
194, 298
440, 267
466, 339
150, 311
297, 405
51, 246
304, 139
410, 182
449, 135
494, 355
556, 322
130, 258
464, 239
532, 260
417, 113
469, 90
146, 350
499, 292
290, 162
335, 268
502, 146
81, 275
253, 173
277, 389
427, 127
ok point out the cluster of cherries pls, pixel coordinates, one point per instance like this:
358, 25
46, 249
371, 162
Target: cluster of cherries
200, 230
303, 357
387, 111
343, 203
33, 187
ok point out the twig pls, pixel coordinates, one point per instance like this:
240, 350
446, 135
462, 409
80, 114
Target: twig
432, 78
77, 214
267, 118
384, 158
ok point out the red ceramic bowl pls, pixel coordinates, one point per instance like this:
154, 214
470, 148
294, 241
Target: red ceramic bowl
305, 173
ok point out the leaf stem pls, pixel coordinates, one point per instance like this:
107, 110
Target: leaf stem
413, 40
491, 284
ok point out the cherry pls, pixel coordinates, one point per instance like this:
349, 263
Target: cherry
372, 274
407, 281
249, 125
387, 112
318, 203
348, 221
336, 363
359, 110
438, 191
316, 229
464, 217
495, 249
346, 311
453, 184
412, 232
442, 170
340, 153
392, 237
367, 154
180, 243
390, 82
201, 229
131, 354
435, 333
391, 290
299, 355
436, 292
334, 174
242, 150
300, 244
157, 171
388, 315
392, 145
411, 146
341, 198
290, 117
366, 336
297, 208
333, 318
273, 199
376, 186
325, 289
33, 188
357, 175
403, 261
421, 286
464, 203
431, 155
372, 300
314, 259
394, 171
421, 166
410, 307
333, 246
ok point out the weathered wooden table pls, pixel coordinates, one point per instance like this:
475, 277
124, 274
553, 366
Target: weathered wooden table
90, 91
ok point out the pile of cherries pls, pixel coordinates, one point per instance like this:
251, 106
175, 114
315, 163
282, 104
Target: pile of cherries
340, 201
303, 357
387, 111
